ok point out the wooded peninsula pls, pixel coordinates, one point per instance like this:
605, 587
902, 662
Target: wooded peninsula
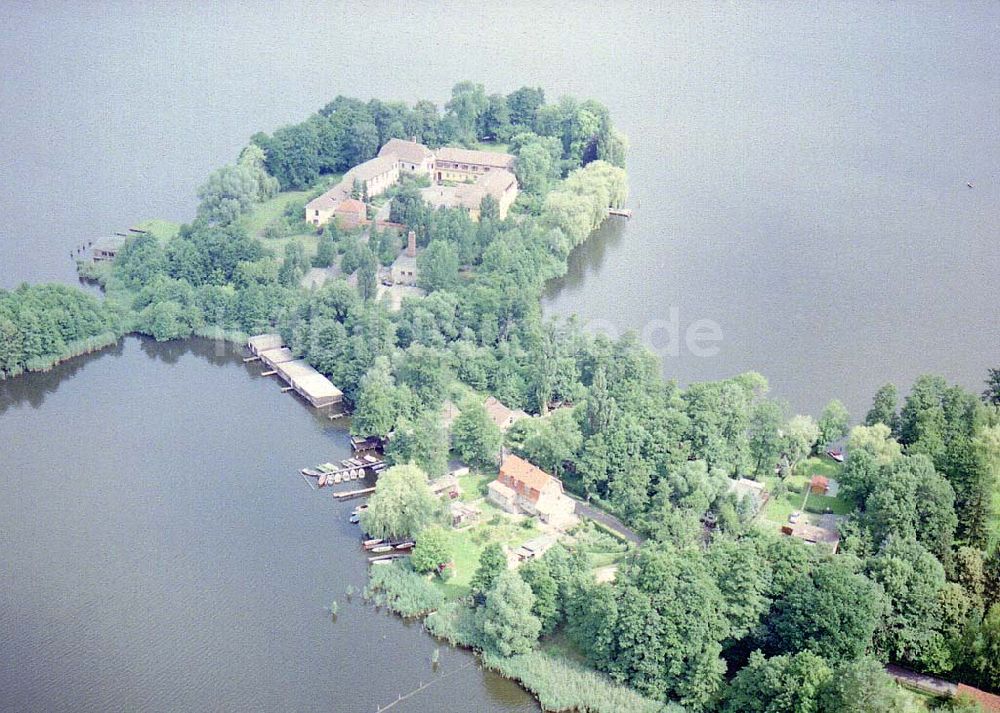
773, 561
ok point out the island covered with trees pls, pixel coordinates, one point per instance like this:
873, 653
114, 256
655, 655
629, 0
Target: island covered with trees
714, 608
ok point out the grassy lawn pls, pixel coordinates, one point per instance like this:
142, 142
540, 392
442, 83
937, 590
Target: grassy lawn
274, 209
601, 546
473, 486
163, 230
467, 544
779, 508
491, 147
819, 465
264, 213
256, 220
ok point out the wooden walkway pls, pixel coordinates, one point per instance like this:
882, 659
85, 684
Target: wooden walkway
353, 493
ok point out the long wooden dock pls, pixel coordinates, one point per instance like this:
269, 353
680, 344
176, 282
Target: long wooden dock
354, 493
621, 212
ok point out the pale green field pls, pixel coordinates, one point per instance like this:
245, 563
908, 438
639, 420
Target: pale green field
491, 147
467, 544
163, 230
256, 220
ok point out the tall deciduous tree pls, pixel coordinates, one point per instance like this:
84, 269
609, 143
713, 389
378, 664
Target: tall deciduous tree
862, 686
991, 394
378, 403
799, 436
509, 626
780, 684
423, 442
912, 579
402, 504
765, 440
466, 107
884, 408
475, 437
492, 562
367, 273
833, 611
601, 404
432, 549
661, 630
437, 266
546, 590
833, 422
877, 440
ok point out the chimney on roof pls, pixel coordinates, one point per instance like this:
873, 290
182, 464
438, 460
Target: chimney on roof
411, 244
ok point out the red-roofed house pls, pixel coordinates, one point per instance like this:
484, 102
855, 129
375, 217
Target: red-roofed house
523, 487
350, 213
819, 485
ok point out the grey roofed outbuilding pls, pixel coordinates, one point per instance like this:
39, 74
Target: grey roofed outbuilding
482, 158
409, 151
263, 342
370, 168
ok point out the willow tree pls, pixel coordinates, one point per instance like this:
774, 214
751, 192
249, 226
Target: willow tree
402, 504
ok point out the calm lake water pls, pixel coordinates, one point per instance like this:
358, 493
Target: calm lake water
160, 551
799, 179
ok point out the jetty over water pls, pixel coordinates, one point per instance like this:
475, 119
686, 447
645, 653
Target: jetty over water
299, 375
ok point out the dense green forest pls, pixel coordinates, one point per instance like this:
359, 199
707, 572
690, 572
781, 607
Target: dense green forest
41, 325
712, 611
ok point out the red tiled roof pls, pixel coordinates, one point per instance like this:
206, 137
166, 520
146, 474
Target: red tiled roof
819, 481
989, 701
351, 205
530, 476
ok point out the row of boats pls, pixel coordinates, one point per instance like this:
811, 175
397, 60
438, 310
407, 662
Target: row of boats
380, 546
346, 470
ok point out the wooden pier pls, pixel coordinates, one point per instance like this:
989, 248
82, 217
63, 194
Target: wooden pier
354, 493
350, 469
620, 212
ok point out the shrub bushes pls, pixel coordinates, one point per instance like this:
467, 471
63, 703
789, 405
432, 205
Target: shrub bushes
401, 590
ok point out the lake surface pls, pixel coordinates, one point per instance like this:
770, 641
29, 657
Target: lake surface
799, 179
799, 174
160, 551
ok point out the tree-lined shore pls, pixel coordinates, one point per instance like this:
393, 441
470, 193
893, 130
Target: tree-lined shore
716, 610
